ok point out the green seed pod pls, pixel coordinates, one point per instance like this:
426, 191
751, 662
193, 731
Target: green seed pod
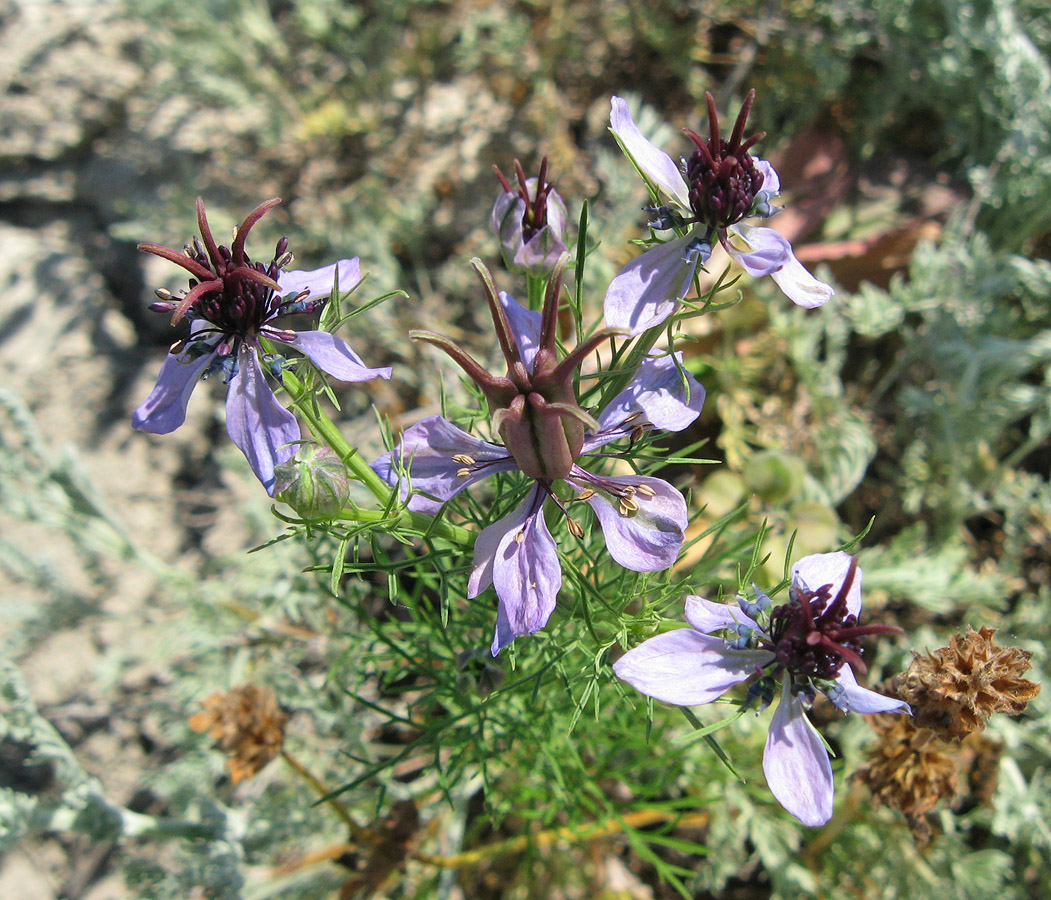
774, 476
314, 483
721, 492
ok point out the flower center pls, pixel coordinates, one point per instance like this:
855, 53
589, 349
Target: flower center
721, 173
236, 296
722, 186
814, 634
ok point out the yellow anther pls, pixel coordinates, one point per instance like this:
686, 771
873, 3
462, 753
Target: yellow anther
628, 507
575, 529
586, 494
646, 490
463, 473
463, 459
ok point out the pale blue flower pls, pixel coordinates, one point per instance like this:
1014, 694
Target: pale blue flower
232, 303
549, 438
811, 643
709, 194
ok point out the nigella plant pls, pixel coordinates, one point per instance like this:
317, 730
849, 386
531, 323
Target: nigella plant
233, 305
707, 196
530, 221
548, 437
811, 643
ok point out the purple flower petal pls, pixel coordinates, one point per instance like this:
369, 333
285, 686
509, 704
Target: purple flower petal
319, 281
542, 250
771, 183
260, 426
771, 252
706, 616
796, 763
525, 326
653, 163
164, 409
539, 254
855, 698
772, 255
649, 288
332, 355
813, 572
686, 668
655, 396
518, 556
506, 220
426, 450
646, 540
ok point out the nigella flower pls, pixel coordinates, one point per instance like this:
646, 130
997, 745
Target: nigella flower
548, 437
232, 305
530, 222
720, 185
811, 642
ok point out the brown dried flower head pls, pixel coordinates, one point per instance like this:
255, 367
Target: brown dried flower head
955, 689
247, 724
908, 770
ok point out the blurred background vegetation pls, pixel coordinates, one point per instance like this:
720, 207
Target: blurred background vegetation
913, 138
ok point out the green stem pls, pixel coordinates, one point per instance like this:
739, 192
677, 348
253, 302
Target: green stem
326, 429
422, 524
537, 287
419, 523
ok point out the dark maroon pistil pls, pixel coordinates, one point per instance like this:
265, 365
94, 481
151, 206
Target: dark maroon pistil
235, 295
813, 635
721, 174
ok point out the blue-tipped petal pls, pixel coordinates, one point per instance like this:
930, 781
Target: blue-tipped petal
525, 326
426, 451
706, 616
647, 539
852, 697
164, 409
796, 763
819, 569
518, 556
334, 356
650, 288
656, 395
319, 282
772, 255
261, 427
654, 164
685, 668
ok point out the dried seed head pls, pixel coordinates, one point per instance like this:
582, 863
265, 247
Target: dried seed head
247, 724
955, 689
909, 770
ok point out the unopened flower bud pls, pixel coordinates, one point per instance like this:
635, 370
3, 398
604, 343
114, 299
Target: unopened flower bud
530, 221
314, 483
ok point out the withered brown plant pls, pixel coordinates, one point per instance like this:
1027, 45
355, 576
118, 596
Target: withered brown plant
955, 689
247, 724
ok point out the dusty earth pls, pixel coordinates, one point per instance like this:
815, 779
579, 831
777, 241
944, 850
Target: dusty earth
80, 354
